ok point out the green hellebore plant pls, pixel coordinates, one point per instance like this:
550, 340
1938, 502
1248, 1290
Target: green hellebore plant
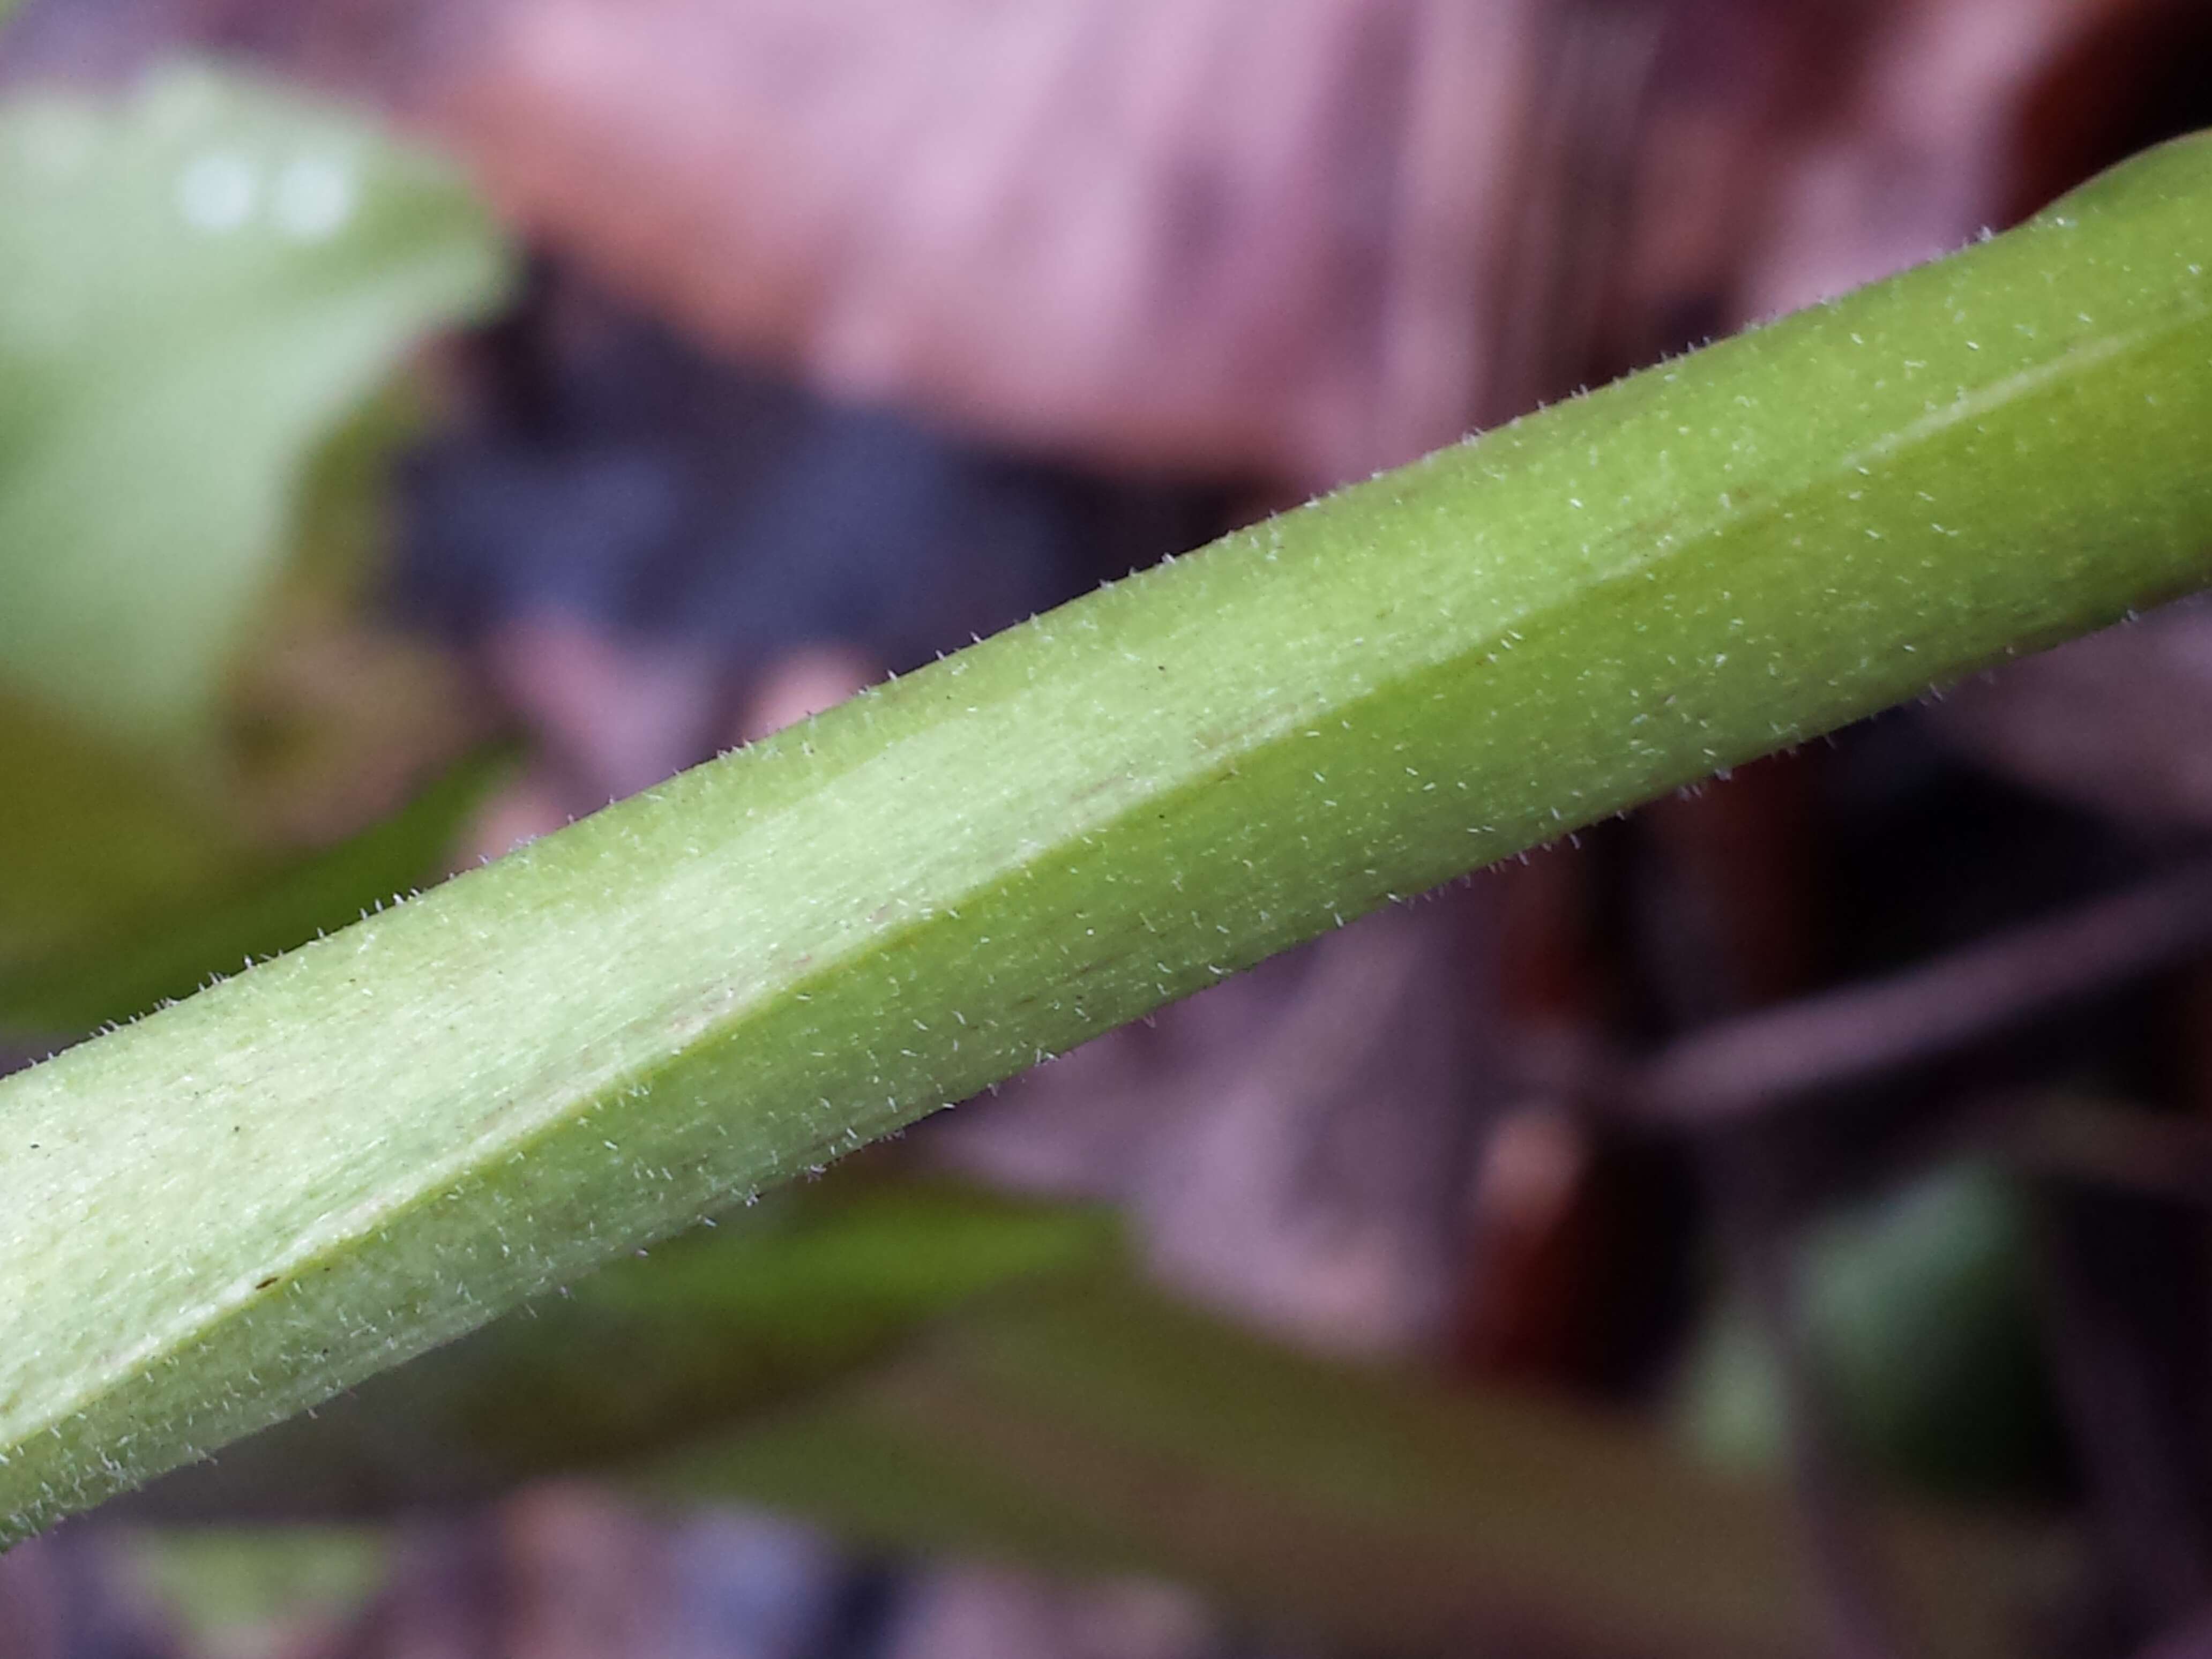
255, 1198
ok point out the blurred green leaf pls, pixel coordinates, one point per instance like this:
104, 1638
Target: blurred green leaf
170, 949
235, 1589
777, 1299
1920, 1322
93, 838
1102, 1427
205, 283
88, 840
200, 284
945, 1371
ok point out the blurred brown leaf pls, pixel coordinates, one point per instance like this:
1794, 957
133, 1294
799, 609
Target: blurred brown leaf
1237, 236
1292, 239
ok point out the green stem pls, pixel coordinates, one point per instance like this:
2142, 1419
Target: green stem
248, 1202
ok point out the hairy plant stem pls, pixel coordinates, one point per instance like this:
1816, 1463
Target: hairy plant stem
255, 1198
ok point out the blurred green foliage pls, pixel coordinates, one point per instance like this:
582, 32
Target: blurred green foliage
226, 920
1919, 1326
205, 281
777, 1299
235, 1591
940, 1369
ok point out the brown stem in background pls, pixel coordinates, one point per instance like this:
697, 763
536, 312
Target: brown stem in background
1738, 1067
